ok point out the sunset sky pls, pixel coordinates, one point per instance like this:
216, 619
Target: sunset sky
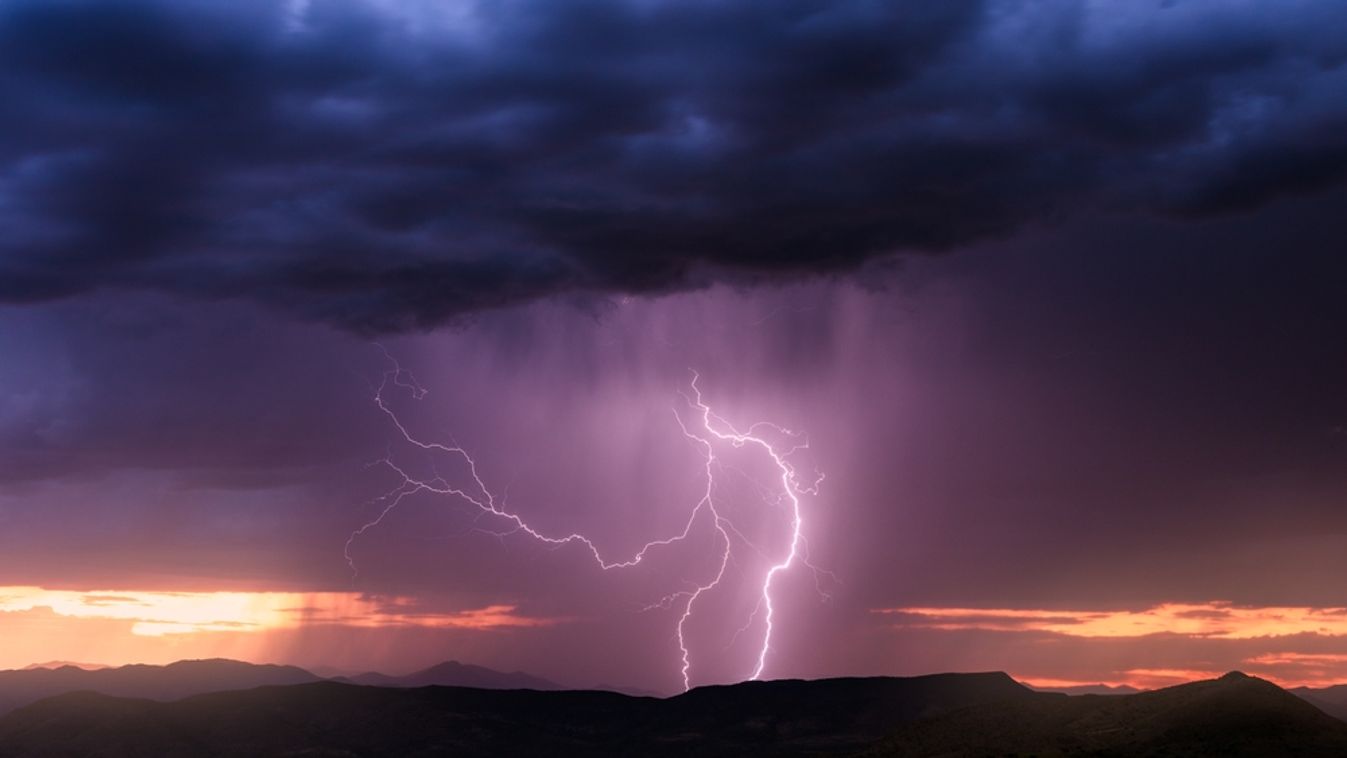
1047, 299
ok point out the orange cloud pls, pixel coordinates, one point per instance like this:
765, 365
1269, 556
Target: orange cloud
1313, 659
1220, 620
155, 614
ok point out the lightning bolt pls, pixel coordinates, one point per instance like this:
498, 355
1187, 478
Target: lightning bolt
709, 431
790, 485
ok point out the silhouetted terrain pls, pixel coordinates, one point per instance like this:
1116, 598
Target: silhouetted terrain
171, 682
455, 674
1090, 689
183, 678
63, 664
1235, 715
330, 718
939, 715
1330, 700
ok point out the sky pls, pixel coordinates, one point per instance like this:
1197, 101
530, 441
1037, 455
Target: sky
891, 338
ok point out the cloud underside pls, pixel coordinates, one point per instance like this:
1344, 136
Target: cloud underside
386, 168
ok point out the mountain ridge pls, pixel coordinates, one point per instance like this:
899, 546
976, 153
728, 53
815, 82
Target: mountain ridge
329, 718
1234, 715
1331, 700
452, 673
64, 664
172, 681
938, 714
263, 709
187, 677
1089, 689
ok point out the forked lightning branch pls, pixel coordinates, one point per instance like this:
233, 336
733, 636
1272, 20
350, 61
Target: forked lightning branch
710, 433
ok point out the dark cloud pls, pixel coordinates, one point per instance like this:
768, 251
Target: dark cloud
393, 167
218, 393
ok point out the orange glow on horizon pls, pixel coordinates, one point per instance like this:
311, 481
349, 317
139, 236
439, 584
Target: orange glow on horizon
1290, 646
1141, 679
1217, 619
158, 613
122, 626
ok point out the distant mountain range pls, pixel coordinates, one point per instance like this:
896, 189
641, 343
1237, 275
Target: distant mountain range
227, 708
943, 714
1330, 700
171, 682
332, 718
455, 674
178, 680
63, 664
1089, 689
1236, 715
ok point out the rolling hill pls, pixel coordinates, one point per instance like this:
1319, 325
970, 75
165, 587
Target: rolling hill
937, 715
331, 718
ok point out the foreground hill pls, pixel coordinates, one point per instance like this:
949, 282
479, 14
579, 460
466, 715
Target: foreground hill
329, 718
1235, 715
940, 715
171, 682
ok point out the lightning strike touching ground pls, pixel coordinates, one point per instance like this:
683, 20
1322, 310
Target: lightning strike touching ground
790, 485
712, 430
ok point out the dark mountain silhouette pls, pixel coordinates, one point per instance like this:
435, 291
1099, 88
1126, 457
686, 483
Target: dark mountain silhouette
331, 672
171, 682
829, 713
1330, 700
938, 715
455, 674
1089, 689
63, 664
1236, 715
331, 718
625, 690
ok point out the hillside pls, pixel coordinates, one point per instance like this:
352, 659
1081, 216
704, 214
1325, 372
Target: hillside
938, 715
1235, 715
330, 718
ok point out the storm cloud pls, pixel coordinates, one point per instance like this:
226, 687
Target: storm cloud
389, 167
